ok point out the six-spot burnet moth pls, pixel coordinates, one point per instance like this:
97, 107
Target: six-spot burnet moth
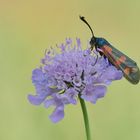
117, 58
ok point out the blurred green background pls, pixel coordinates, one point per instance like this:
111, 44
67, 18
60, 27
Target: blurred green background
27, 28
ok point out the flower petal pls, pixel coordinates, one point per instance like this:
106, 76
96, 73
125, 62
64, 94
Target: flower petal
92, 93
49, 103
100, 91
37, 75
58, 114
36, 99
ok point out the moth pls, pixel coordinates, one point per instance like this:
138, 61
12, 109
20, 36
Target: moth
121, 61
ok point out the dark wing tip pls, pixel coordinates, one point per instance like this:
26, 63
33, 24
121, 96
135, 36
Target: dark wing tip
134, 76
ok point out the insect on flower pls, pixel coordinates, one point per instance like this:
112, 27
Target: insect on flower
68, 74
117, 58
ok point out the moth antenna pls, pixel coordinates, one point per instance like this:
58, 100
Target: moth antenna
83, 19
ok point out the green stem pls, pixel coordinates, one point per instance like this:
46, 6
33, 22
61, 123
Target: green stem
85, 115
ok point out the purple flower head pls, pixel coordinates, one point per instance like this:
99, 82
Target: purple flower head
69, 73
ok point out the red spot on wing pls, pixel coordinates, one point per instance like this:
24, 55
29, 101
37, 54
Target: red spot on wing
120, 60
107, 49
114, 59
127, 70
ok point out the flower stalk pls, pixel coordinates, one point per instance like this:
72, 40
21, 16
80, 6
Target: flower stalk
85, 116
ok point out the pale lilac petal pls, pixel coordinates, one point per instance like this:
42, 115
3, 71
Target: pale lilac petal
36, 99
49, 103
92, 93
100, 91
77, 81
71, 95
112, 73
78, 43
37, 75
58, 114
